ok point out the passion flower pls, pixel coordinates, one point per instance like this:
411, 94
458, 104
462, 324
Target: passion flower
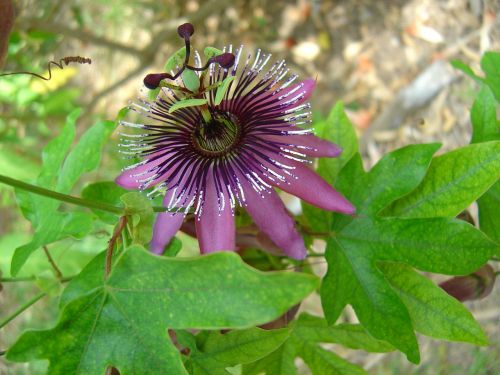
228, 141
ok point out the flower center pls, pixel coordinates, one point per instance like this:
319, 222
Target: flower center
217, 136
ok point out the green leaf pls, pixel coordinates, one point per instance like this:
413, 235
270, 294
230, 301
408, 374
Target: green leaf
105, 192
146, 294
219, 351
460, 65
490, 63
191, 80
60, 173
358, 245
139, 207
176, 60
395, 175
353, 257
352, 336
186, 103
321, 361
210, 52
489, 206
337, 129
221, 90
306, 333
86, 155
453, 182
432, 310
485, 126
173, 247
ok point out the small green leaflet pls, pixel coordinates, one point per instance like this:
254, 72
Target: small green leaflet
139, 208
221, 90
454, 180
60, 171
490, 63
214, 351
306, 333
486, 127
187, 103
450, 319
106, 192
123, 321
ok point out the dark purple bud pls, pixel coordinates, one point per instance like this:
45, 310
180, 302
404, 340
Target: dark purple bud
477, 285
152, 81
185, 30
226, 60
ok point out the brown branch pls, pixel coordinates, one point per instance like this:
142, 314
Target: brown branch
84, 36
57, 271
111, 245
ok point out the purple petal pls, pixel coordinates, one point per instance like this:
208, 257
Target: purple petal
166, 226
215, 230
310, 187
128, 179
270, 214
308, 144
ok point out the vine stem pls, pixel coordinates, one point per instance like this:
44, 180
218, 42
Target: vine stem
68, 198
56, 269
22, 308
111, 245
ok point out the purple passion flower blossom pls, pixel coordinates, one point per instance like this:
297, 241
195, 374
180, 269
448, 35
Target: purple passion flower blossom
216, 155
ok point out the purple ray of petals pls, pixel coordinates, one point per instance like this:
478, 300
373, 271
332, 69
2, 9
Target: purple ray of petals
270, 103
128, 179
270, 215
215, 231
311, 145
166, 226
311, 188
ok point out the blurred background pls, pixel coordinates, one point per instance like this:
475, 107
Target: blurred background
388, 61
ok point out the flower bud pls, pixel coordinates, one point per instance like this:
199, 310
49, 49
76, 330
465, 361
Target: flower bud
477, 285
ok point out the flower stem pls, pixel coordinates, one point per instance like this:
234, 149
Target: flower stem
69, 198
22, 308
59, 196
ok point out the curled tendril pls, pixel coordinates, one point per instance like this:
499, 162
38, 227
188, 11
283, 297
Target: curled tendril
65, 60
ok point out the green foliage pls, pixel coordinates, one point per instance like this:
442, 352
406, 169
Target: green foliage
450, 320
486, 127
60, 172
358, 247
306, 333
215, 351
106, 192
139, 208
143, 296
453, 182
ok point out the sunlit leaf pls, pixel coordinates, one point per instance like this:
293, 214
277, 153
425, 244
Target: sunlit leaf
146, 294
